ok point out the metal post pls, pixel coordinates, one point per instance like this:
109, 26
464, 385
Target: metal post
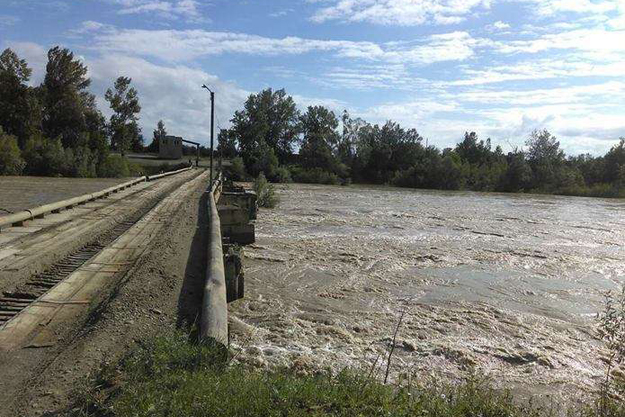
212, 130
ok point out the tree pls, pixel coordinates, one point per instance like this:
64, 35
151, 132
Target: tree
320, 139
20, 113
124, 101
65, 99
518, 175
269, 120
383, 151
159, 132
472, 151
545, 158
11, 64
614, 160
227, 143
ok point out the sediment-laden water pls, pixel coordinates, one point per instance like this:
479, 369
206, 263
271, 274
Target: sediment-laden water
506, 284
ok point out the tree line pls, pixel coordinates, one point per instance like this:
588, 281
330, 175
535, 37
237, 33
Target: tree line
272, 136
56, 128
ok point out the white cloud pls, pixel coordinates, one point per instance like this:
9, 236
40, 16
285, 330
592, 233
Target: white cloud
180, 45
608, 92
552, 7
596, 41
170, 9
540, 69
368, 77
400, 12
444, 12
281, 13
498, 26
303, 102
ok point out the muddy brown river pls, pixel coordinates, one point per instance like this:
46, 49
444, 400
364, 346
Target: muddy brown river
505, 284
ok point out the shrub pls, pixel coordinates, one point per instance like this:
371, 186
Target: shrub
602, 190
81, 162
114, 166
236, 170
313, 176
283, 175
11, 162
46, 157
265, 192
137, 170
404, 178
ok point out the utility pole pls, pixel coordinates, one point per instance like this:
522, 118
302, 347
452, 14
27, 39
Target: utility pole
212, 129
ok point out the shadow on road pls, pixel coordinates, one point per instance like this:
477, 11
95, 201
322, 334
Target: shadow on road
190, 298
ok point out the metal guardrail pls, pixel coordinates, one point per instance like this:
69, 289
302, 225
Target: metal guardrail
19, 218
214, 318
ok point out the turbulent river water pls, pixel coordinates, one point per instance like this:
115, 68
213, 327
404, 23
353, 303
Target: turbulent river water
505, 284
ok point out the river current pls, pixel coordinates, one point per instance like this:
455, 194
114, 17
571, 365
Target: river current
505, 284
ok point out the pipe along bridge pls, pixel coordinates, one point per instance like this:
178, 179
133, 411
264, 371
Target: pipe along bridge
231, 211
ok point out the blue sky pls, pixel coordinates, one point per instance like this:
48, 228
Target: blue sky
499, 67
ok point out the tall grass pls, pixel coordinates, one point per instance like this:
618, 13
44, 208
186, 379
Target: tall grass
612, 331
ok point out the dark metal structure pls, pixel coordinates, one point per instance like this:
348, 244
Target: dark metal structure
197, 155
212, 126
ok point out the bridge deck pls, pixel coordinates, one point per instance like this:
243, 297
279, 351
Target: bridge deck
21, 193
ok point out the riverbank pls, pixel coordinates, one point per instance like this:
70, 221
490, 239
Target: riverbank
170, 375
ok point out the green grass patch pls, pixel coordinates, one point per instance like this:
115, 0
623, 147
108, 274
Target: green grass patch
174, 376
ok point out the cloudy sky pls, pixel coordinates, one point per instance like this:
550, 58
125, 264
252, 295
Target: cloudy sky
498, 67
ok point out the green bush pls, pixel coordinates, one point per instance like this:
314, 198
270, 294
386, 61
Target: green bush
82, 162
11, 162
114, 166
137, 170
46, 157
603, 190
265, 192
236, 170
283, 175
313, 176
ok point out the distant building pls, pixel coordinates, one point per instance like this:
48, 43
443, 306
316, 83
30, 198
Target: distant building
170, 147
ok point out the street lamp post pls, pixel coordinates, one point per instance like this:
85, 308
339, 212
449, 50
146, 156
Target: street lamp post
212, 128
